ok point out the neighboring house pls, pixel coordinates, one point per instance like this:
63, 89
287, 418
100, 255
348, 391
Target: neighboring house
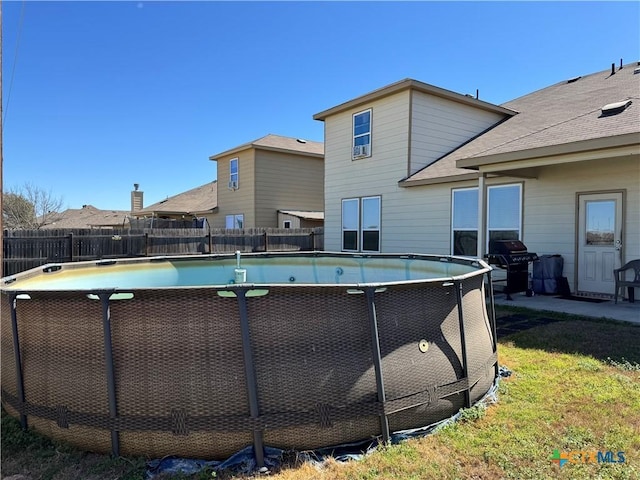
300, 219
271, 174
199, 202
88, 217
415, 168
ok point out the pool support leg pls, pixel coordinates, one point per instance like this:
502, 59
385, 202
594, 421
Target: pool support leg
377, 362
108, 360
492, 320
18, 359
250, 374
463, 343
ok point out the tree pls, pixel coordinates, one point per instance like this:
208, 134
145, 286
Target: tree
29, 207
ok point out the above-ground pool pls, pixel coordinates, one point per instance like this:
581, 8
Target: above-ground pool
202, 356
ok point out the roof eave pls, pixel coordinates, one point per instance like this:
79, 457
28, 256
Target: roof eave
437, 180
290, 151
174, 212
415, 85
596, 144
248, 146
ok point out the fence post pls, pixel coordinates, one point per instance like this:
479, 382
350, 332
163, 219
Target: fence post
266, 235
313, 241
71, 247
146, 244
210, 246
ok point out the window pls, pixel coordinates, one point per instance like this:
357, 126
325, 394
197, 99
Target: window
600, 218
233, 174
464, 221
234, 221
504, 206
503, 217
350, 223
361, 224
362, 134
286, 224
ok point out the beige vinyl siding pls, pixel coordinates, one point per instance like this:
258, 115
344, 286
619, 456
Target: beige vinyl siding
374, 175
418, 220
242, 200
439, 126
409, 222
294, 221
550, 206
286, 182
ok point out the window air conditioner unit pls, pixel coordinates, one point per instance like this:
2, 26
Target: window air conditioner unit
233, 185
360, 150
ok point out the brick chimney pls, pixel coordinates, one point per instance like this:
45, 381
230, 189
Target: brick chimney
136, 198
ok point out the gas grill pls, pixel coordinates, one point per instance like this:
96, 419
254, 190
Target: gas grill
512, 256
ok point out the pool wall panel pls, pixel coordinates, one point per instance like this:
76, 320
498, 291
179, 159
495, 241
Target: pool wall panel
180, 379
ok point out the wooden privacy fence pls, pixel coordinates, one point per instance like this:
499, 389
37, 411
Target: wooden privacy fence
25, 249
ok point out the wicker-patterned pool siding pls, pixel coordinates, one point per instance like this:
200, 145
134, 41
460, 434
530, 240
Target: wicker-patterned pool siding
181, 380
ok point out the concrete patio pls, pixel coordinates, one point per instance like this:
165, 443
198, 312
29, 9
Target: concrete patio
623, 310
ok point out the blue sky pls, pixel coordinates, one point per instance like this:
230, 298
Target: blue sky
98, 96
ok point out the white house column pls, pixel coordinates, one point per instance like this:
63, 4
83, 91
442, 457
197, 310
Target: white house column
482, 214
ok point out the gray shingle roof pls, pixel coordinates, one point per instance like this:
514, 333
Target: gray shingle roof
88, 217
197, 200
279, 143
562, 114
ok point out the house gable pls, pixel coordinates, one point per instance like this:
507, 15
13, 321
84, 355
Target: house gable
274, 172
563, 123
440, 125
406, 135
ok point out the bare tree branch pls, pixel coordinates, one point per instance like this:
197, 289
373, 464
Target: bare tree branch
30, 207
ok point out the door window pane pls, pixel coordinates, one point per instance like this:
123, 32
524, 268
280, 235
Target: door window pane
600, 222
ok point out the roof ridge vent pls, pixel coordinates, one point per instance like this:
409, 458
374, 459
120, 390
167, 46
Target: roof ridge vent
636, 70
574, 79
615, 108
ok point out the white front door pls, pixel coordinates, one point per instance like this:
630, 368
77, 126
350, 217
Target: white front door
599, 241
